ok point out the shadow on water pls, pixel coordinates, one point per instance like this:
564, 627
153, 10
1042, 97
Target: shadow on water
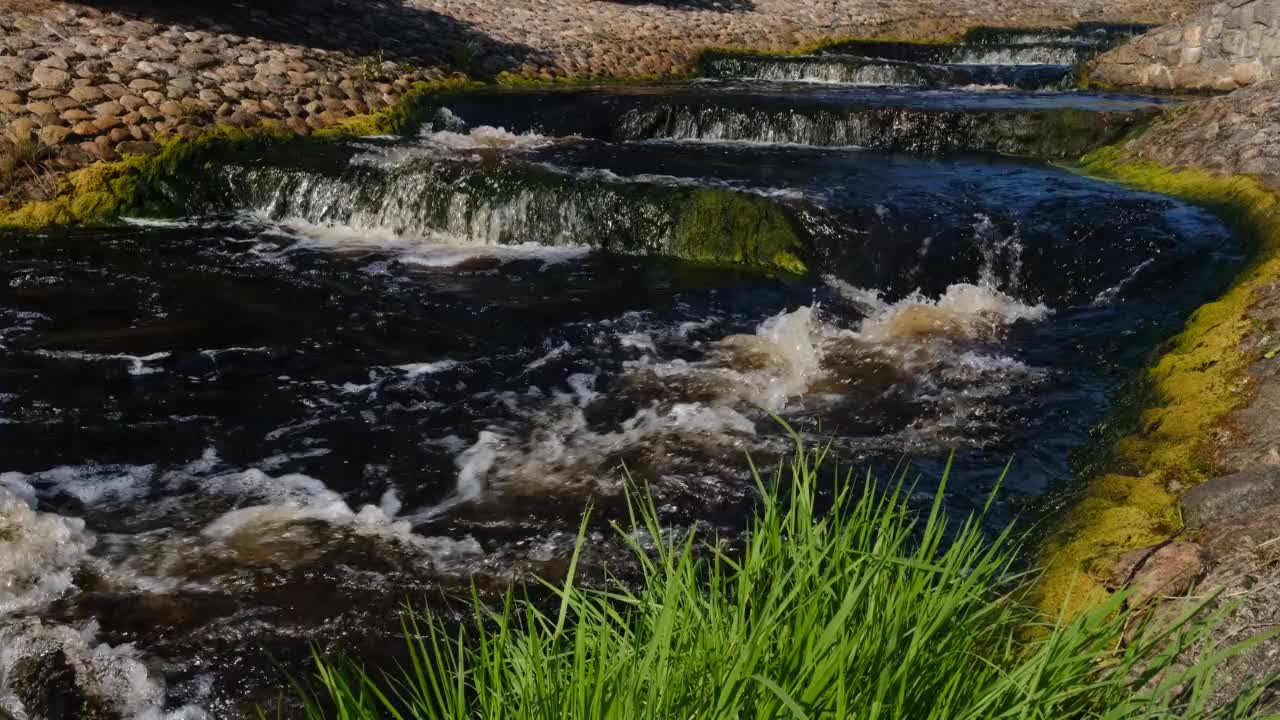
392, 29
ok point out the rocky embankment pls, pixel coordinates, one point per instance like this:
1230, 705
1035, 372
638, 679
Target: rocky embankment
1234, 134
81, 82
1209, 442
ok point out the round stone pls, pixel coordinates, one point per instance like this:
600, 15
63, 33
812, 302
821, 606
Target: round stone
51, 78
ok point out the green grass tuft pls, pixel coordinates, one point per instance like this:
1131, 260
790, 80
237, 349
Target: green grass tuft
863, 609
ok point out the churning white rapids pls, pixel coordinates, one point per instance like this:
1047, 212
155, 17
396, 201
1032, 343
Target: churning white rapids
793, 359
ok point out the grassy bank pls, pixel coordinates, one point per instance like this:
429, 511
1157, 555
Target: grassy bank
865, 609
1165, 446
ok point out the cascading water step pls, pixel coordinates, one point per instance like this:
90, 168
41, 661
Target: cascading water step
1050, 53
856, 70
1094, 33
1052, 125
507, 201
1027, 60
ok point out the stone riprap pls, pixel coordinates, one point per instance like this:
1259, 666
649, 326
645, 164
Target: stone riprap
1225, 46
81, 82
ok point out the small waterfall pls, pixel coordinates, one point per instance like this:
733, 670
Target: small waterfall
1102, 35
882, 62
465, 203
1044, 133
502, 202
828, 69
1057, 54
854, 70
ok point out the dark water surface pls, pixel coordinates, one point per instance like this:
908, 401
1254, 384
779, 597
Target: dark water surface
328, 382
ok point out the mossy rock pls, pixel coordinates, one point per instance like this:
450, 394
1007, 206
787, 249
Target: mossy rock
722, 227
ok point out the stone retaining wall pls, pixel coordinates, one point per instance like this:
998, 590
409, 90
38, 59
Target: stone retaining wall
1228, 45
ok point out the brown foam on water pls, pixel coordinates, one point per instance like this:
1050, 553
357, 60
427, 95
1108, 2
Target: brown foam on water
964, 311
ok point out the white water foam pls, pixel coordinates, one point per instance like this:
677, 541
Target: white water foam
114, 676
609, 176
436, 250
427, 368
138, 364
91, 485
963, 311
456, 142
781, 359
487, 137
1019, 56
942, 342
286, 500
157, 222
40, 552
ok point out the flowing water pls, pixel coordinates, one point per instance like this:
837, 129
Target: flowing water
312, 383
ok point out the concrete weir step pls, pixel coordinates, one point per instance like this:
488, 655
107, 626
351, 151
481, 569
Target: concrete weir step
1051, 125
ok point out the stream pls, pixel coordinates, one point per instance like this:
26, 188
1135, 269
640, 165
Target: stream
304, 388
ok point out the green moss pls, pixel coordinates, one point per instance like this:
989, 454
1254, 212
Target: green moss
104, 191
1086, 81
1070, 132
813, 47
401, 117
1196, 380
547, 80
721, 227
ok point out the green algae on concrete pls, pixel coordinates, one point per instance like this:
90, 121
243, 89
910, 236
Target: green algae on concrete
1196, 380
722, 227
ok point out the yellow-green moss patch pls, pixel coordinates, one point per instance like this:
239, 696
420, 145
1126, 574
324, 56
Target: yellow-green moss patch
813, 47
729, 228
1195, 382
401, 116
547, 80
104, 191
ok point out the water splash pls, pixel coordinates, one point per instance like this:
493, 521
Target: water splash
40, 553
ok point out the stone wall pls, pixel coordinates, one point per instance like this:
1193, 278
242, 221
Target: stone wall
1228, 45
